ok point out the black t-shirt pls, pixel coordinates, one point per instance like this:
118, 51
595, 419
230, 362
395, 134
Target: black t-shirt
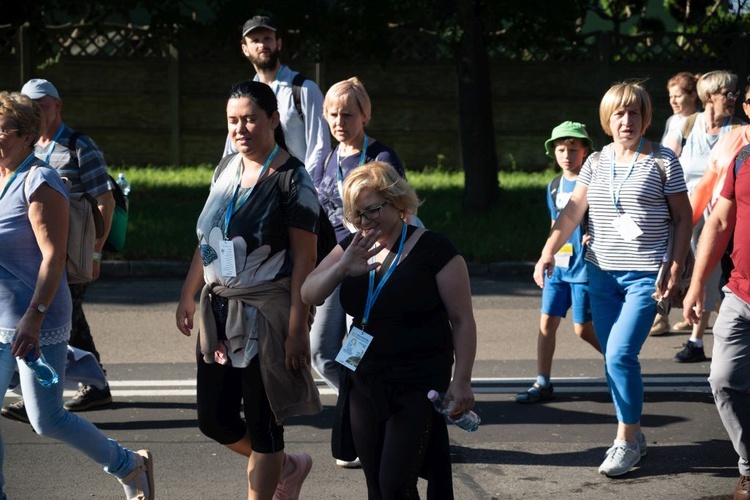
412, 337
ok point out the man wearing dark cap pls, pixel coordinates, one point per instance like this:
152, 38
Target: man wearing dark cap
305, 129
77, 158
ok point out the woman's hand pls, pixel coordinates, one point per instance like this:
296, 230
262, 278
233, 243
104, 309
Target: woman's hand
356, 258
27, 334
463, 397
544, 267
184, 316
297, 350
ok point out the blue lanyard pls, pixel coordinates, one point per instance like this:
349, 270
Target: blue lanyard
23, 166
614, 192
235, 204
372, 296
340, 171
54, 142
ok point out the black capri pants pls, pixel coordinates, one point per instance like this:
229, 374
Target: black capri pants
223, 392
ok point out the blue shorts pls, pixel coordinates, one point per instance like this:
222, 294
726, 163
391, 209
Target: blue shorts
559, 296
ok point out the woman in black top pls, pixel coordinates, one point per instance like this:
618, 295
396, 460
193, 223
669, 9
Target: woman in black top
421, 319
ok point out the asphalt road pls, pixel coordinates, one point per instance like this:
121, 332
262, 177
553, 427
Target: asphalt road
519, 452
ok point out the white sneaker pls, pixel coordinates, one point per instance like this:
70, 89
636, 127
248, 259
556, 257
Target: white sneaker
354, 464
620, 458
642, 444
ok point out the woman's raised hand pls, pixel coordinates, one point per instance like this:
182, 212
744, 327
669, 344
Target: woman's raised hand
356, 258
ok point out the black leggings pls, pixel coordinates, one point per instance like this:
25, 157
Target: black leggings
392, 451
222, 390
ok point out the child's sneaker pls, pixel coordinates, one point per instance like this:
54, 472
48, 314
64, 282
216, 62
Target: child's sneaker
535, 394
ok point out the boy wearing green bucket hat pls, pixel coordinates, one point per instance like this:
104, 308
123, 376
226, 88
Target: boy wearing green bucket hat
569, 144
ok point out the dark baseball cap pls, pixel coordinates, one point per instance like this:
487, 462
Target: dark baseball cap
257, 22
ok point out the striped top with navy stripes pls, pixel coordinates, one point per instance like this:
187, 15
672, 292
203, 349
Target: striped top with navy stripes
643, 197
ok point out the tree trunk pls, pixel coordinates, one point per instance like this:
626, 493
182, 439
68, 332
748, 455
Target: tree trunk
475, 111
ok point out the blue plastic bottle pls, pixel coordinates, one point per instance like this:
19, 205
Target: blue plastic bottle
45, 374
443, 403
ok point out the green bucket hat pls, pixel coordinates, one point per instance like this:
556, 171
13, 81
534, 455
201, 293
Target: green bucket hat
568, 129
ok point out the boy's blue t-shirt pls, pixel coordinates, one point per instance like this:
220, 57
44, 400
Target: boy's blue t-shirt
576, 272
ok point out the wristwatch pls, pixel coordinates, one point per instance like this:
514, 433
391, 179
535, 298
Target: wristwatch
40, 308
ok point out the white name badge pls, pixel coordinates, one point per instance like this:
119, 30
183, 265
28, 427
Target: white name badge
226, 255
354, 348
562, 257
627, 227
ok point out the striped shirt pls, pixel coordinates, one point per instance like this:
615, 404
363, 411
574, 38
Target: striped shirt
87, 175
642, 197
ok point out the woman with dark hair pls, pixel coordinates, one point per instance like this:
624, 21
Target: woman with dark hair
257, 244
36, 304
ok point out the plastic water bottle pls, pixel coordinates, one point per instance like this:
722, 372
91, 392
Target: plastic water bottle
124, 186
45, 374
443, 403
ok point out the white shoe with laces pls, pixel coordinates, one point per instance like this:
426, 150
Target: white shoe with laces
620, 458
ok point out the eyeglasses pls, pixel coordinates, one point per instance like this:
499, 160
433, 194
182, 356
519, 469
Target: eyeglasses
370, 214
6, 131
747, 101
732, 96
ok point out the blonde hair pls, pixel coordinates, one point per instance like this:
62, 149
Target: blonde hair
351, 90
621, 95
382, 178
714, 81
25, 114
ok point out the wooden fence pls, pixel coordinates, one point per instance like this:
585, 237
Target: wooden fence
161, 106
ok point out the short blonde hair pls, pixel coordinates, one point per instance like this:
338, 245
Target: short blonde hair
621, 95
382, 178
713, 81
25, 114
351, 90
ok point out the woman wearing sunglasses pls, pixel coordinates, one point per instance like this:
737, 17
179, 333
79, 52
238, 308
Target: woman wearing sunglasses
718, 92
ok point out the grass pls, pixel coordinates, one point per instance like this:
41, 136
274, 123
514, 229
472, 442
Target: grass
165, 204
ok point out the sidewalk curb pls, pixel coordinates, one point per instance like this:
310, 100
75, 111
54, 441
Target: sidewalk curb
178, 269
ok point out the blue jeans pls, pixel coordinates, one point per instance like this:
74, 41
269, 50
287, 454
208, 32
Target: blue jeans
326, 335
623, 312
44, 406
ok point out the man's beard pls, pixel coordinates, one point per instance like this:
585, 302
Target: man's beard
266, 64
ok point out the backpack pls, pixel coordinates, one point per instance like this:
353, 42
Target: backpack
85, 226
326, 234
116, 238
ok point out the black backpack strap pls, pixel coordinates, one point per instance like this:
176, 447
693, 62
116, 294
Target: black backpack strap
659, 162
297, 82
554, 185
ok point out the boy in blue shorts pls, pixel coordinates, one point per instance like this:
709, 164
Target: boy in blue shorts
569, 145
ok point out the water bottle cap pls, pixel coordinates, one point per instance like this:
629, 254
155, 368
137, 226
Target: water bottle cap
121, 175
432, 395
